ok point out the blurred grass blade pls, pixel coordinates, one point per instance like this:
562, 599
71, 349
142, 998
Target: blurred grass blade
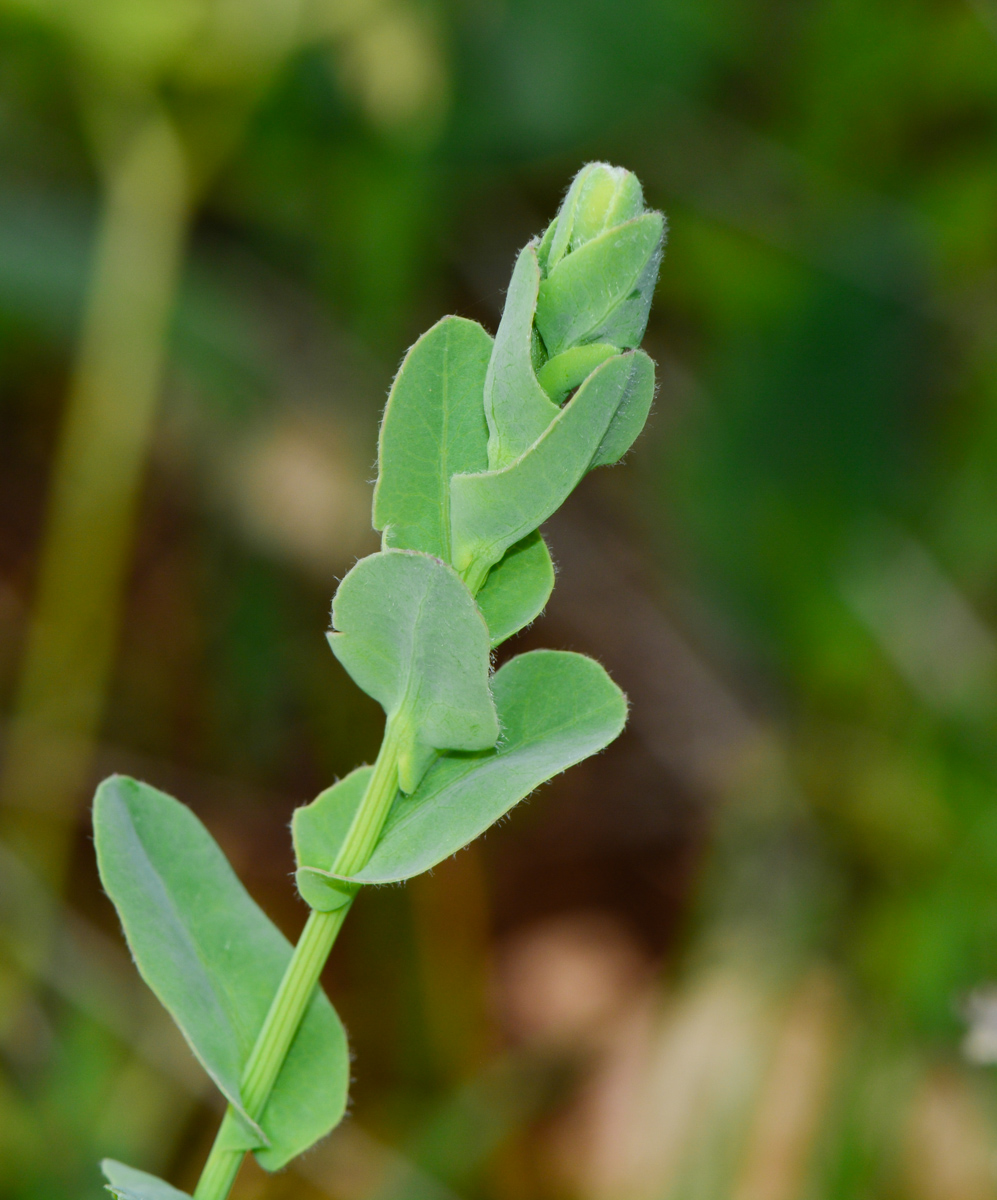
97, 475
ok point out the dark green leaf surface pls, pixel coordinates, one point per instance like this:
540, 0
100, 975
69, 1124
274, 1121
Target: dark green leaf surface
128, 1184
492, 511
433, 427
556, 708
517, 408
409, 633
517, 588
214, 959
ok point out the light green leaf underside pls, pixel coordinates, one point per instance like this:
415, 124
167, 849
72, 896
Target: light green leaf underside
128, 1184
602, 291
517, 408
556, 709
214, 959
409, 633
322, 826
493, 510
517, 588
433, 427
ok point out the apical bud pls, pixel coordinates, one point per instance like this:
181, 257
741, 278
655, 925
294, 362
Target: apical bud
600, 197
599, 258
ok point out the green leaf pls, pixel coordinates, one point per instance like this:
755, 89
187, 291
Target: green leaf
561, 375
493, 510
318, 830
409, 633
128, 1184
556, 708
517, 588
602, 291
517, 408
630, 416
214, 959
433, 427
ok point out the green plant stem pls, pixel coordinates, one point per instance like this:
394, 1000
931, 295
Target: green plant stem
272, 1044
300, 980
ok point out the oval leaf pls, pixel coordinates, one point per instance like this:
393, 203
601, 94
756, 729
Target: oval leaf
556, 708
214, 960
517, 588
433, 427
492, 511
409, 633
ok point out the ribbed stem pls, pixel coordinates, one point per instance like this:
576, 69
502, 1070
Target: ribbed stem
301, 978
272, 1044
359, 843
222, 1165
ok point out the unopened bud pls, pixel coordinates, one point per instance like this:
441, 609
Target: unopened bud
600, 197
599, 259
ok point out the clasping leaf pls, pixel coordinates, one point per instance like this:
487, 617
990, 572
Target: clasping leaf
493, 510
517, 588
556, 708
409, 633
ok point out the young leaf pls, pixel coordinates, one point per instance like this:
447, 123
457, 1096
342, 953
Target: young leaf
517, 408
433, 427
560, 376
128, 1184
409, 633
517, 588
493, 510
556, 708
214, 959
602, 291
318, 830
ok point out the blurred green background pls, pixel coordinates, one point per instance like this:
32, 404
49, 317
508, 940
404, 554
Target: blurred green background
750, 953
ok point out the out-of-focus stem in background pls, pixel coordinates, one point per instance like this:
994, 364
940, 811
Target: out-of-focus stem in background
94, 493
